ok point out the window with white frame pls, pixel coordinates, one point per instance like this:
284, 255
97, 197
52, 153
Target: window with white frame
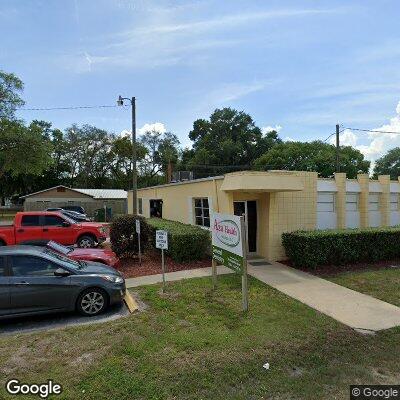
202, 212
394, 201
352, 201
326, 202
373, 202
140, 206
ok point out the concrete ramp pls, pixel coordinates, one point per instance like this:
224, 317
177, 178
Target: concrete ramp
357, 310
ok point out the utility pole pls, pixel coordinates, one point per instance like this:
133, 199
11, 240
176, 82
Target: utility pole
337, 148
120, 102
134, 158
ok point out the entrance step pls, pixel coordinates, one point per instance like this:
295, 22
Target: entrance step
259, 263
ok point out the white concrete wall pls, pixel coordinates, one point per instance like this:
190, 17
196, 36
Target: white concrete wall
374, 210
326, 211
352, 210
394, 209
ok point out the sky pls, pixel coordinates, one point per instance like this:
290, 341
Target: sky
299, 67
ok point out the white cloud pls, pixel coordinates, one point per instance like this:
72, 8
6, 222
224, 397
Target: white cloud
266, 129
374, 144
156, 127
233, 91
163, 38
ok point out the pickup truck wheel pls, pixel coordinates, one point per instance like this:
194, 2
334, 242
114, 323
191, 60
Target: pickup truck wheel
86, 242
2, 243
92, 302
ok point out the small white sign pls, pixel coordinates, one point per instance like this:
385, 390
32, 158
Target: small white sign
162, 240
138, 226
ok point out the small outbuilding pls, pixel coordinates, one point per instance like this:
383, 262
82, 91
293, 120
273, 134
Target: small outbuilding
89, 199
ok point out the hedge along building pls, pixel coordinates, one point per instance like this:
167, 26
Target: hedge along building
275, 202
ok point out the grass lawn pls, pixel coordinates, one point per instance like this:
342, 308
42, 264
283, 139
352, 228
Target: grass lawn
192, 344
383, 284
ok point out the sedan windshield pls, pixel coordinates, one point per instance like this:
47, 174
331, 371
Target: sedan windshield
59, 257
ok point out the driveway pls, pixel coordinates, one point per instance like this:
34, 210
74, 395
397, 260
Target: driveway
55, 321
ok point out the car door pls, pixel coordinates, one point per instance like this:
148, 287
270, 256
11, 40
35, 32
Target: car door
30, 230
34, 287
54, 228
4, 288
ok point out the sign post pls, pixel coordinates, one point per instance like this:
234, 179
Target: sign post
229, 244
139, 244
162, 243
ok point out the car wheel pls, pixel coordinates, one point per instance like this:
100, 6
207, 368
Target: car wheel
2, 243
86, 242
92, 302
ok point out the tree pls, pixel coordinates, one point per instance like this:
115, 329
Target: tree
313, 156
228, 138
389, 164
10, 87
24, 150
161, 149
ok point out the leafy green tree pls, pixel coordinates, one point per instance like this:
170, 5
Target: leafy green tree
24, 151
10, 88
389, 164
228, 138
313, 156
121, 168
161, 148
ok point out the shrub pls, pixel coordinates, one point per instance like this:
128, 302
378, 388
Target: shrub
123, 236
185, 242
313, 248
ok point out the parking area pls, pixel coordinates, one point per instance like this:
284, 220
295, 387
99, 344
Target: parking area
47, 322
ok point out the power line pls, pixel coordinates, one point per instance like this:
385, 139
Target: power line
372, 130
334, 133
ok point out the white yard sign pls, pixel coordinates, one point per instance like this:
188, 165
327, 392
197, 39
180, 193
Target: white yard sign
162, 240
138, 227
229, 248
227, 240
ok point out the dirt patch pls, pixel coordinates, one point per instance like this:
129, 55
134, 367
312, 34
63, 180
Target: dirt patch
151, 265
332, 270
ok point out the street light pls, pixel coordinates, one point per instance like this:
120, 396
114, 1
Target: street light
120, 102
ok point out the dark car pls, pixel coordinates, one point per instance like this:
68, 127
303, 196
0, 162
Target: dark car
36, 280
71, 214
77, 209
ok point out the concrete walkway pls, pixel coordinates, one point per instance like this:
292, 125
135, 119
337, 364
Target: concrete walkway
174, 276
357, 310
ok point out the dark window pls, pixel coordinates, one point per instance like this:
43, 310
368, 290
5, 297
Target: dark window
2, 266
140, 206
30, 220
32, 266
202, 212
53, 220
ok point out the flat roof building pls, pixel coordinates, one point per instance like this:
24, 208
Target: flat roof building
274, 202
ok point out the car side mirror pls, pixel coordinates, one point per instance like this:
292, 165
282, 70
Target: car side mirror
61, 272
66, 224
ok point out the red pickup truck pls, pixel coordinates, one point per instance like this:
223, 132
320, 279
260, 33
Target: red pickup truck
42, 226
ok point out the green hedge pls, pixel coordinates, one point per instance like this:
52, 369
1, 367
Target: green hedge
185, 242
314, 248
123, 237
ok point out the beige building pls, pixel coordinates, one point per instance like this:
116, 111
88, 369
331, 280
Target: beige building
89, 199
275, 202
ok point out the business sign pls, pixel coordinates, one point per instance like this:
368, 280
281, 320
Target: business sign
227, 240
138, 227
162, 240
